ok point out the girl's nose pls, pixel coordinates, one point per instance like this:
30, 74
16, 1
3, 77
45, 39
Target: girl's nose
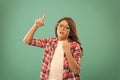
63, 28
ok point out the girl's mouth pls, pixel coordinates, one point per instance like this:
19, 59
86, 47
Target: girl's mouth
61, 32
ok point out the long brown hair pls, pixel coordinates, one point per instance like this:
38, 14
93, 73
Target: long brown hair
73, 32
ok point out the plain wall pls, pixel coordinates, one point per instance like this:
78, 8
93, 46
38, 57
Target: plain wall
98, 26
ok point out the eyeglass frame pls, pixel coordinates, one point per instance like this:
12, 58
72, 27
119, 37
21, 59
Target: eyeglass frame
60, 26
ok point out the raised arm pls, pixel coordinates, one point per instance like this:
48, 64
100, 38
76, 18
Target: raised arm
38, 23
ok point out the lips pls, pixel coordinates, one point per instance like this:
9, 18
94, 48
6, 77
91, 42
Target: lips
61, 32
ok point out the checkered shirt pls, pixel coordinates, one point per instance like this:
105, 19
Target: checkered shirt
49, 45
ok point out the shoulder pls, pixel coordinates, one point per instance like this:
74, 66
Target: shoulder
74, 43
51, 39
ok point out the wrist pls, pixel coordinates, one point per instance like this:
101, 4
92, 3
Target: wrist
68, 53
36, 26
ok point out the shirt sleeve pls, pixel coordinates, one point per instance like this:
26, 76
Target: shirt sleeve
38, 42
77, 53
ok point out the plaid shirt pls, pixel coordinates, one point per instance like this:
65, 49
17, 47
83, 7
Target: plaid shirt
49, 45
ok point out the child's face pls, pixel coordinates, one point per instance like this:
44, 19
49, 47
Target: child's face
63, 30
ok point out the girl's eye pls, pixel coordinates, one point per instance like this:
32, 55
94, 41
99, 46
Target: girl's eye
61, 25
67, 28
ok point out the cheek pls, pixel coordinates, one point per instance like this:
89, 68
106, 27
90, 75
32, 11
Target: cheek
57, 31
68, 32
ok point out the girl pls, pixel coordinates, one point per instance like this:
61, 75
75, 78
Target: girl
61, 59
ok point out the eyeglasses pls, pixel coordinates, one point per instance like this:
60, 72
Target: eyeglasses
61, 26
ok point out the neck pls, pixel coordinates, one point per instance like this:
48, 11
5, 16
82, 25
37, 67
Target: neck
61, 39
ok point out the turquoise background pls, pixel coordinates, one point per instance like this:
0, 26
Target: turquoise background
98, 26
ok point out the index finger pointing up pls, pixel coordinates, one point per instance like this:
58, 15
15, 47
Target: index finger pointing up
43, 17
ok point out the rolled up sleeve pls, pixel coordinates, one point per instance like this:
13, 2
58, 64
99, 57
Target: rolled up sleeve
38, 42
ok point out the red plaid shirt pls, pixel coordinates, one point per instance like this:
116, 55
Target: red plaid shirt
49, 45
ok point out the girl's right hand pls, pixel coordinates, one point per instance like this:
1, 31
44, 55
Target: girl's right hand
40, 21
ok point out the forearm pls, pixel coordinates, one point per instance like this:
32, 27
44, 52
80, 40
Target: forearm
72, 63
30, 34
38, 23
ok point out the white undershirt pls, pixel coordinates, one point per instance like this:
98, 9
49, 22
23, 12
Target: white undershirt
56, 69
